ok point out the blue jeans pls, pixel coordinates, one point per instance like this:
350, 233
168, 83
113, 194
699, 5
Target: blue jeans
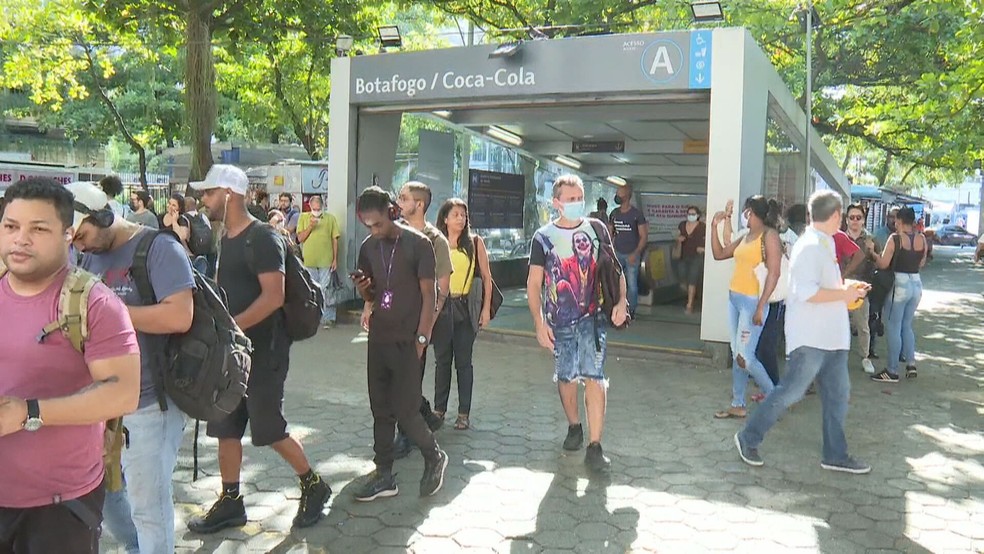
148, 466
744, 342
631, 279
900, 307
768, 346
580, 351
805, 365
119, 522
322, 276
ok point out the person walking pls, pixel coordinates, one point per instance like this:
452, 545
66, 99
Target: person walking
254, 284
630, 233
109, 246
690, 267
563, 295
318, 233
863, 271
748, 305
818, 339
905, 253
601, 213
456, 329
414, 201
55, 394
396, 275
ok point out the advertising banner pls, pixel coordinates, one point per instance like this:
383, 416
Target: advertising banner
665, 212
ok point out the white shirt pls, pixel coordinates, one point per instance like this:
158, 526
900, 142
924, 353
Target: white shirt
813, 266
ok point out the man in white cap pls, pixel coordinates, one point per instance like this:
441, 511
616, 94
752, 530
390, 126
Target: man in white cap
256, 294
109, 246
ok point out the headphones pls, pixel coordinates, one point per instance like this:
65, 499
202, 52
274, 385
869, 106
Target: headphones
393, 212
102, 218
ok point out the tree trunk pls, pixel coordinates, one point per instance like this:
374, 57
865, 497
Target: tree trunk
200, 96
885, 170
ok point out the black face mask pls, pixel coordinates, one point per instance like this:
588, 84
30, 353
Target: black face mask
618, 200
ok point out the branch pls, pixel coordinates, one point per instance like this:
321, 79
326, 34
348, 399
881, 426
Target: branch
909, 172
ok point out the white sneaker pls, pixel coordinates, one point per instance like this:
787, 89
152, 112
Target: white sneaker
869, 367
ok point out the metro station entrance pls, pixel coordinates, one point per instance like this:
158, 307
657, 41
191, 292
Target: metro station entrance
632, 110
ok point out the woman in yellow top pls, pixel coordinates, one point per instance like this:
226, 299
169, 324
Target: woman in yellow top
455, 331
749, 306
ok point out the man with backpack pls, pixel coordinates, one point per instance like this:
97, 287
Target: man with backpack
109, 247
59, 380
566, 298
256, 271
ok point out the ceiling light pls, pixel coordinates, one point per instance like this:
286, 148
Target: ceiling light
568, 161
616, 180
445, 114
621, 159
506, 50
505, 136
707, 11
343, 44
389, 36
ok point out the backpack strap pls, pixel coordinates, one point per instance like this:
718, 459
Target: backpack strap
73, 309
139, 269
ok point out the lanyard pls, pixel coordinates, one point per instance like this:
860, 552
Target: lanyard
382, 257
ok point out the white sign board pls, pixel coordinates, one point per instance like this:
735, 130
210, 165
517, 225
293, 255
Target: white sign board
10, 175
665, 212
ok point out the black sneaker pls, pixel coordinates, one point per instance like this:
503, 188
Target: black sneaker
311, 507
850, 465
595, 458
377, 485
433, 478
748, 455
228, 511
575, 437
402, 446
885, 377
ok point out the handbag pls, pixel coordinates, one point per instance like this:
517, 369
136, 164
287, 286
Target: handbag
496, 293
762, 273
884, 280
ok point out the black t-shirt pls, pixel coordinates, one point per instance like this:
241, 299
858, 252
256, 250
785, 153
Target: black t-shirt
412, 260
242, 286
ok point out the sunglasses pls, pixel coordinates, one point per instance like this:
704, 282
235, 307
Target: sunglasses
855, 217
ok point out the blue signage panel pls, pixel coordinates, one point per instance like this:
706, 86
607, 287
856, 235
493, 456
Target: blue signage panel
700, 59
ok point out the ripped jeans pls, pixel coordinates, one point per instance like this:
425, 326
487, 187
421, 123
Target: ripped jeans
744, 341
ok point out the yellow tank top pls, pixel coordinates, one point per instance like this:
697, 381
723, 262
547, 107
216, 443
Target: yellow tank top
461, 278
747, 256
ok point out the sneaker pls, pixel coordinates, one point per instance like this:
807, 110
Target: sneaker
433, 478
377, 485
575, 437
873, 356
402, 446
310, 510
869, 367
748, 455
228, 511
850, 465
885, 377
595, 459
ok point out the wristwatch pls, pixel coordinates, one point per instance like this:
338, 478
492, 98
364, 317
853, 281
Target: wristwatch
33, 422
422, 340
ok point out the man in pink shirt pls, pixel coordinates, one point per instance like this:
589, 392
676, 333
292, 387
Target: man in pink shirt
54, 399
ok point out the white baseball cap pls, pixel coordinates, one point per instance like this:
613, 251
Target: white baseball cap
223, 176
89, 197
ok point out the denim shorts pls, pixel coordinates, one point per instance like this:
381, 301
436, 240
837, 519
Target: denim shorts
579, 351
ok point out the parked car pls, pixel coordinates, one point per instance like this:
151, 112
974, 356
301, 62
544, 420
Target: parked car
954, 235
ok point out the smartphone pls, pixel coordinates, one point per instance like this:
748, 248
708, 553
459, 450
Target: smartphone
358, 275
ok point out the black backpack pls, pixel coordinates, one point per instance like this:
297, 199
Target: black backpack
609, 272
304, 300
206, 369
199, 235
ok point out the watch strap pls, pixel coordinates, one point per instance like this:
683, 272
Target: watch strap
33, 409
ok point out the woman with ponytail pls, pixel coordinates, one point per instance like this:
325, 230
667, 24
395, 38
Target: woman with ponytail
748, 305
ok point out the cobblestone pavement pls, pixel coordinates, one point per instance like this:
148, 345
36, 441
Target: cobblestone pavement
676, 483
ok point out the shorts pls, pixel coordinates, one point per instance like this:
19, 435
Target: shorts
263, 406
579, 351
690, 270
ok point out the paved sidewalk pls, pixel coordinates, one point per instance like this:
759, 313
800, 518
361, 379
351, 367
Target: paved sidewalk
676, 483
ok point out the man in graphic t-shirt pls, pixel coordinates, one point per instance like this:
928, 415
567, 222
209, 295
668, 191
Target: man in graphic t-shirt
396, 274
564, 297
53, 398
630, 232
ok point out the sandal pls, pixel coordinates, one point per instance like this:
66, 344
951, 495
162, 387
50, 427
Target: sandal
911, 372
731, 413
758, 397
462, 423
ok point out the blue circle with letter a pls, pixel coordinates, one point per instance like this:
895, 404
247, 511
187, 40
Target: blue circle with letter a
662, 61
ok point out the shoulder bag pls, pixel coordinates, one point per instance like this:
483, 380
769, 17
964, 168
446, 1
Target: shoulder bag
762, 273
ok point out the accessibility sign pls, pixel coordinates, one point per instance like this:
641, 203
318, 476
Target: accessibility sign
700, 59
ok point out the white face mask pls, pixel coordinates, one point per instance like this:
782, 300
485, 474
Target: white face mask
692, 218
316, 213
744, 220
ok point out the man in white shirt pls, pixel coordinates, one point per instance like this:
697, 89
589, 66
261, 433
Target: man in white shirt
817, 294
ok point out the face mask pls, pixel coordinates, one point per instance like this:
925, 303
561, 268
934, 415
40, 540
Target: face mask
744, 220
618, 200
692, 218
316, 213
573, 210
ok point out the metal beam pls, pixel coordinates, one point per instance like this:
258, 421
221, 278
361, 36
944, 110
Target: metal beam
629, 170
551, 147
596, 114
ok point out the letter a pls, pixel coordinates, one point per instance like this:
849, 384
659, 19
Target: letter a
662, 59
